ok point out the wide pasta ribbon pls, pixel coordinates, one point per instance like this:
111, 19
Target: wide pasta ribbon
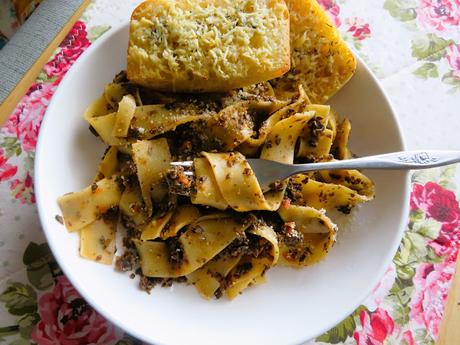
201, 242
329, 194
218, 252
233, 273
227, 180
315, 235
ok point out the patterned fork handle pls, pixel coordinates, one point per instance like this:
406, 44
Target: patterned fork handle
398, 160
268, 171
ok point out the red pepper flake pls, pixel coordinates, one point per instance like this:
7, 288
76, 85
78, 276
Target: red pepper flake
184, 180
286, 203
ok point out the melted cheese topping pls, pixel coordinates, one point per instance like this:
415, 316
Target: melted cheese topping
208, 45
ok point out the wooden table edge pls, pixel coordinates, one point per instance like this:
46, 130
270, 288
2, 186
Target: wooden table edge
449, 330
7, 107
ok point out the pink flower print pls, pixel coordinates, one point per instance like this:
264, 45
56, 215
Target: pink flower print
71, 48
359, 29
415, 196
66, 319
448, 241
382, 289
332, 9
408, 338
432, 282
439, 15
25, 121
453, 58
376, 327
23, 190
438, 202
7, 171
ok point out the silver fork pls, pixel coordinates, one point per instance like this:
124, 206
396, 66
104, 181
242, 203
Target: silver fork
268, 172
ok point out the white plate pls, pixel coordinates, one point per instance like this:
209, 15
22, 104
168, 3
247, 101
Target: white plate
294, 305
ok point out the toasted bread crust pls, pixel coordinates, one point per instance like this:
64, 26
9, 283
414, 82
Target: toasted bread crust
219, 44
320, 60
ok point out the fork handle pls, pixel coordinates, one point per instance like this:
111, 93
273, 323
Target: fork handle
404, 160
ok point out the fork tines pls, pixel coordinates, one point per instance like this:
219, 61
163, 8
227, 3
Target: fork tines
184, 164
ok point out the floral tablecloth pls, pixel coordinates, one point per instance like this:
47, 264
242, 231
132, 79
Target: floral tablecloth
413, 46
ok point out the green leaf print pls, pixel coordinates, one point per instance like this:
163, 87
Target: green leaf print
421, 336
43, 77
403, 10
446, 178
339, 333
343, 330
427, 70
7, 331
416, 215
406, 271
429, 228
448, 172
424, 176
399, 297
447, 184
400, 313
29, 162
27, 323
450, 79
402, 256
404, 267
12, 146
437, 175
20, 341
420, 251
356, 43
413, 248
418, 248
429, 47
19, 299
40, 265
97, 31
432, 257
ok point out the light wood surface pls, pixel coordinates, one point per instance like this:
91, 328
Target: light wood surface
449, 333
7, 107
450, 327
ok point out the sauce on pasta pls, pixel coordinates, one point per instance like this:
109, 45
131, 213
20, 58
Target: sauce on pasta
216, 230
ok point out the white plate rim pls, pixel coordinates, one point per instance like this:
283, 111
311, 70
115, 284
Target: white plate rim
99, 308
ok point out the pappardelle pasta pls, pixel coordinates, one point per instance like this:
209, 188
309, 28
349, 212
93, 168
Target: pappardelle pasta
215, 229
